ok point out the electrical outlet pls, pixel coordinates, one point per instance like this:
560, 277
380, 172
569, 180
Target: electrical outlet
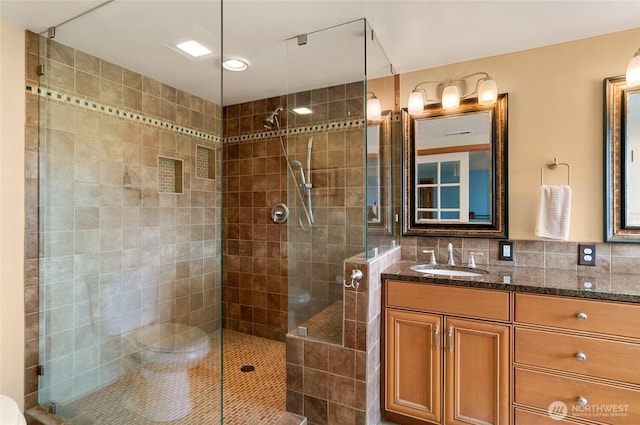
506, 251
586, 254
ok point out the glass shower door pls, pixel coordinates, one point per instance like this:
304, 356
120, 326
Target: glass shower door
130, 216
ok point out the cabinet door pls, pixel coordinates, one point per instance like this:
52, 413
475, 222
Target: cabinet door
413, 364
476, 382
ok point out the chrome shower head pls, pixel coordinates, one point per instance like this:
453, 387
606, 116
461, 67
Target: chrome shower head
271, 121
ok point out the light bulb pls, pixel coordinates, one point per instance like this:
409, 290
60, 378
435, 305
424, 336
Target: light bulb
633, 70
374, 110
487, 92
450, 97
416, 102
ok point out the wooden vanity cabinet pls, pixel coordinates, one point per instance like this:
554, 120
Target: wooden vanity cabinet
584, 354
446, 356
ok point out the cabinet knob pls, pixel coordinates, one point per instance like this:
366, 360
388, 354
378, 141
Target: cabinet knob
581, 356
581, 316
582, 401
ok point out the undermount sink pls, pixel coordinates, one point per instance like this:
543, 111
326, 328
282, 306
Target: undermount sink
428, 269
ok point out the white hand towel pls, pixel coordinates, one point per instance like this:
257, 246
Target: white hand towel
554, 212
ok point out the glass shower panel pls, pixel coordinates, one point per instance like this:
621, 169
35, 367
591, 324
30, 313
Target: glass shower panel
325, 74
379, 87
130, 216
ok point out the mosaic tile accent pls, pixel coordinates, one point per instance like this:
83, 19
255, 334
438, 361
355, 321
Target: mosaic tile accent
117, 111
339, 125
256, 398
205, 163
169, 175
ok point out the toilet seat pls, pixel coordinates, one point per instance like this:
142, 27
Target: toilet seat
10, 413
172, 343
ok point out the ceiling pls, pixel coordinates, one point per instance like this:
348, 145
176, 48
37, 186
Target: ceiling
141, 35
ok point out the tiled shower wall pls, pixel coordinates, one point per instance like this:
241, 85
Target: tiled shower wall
105, 251
262, 259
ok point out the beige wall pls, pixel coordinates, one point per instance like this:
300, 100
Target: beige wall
555, 110
12, 113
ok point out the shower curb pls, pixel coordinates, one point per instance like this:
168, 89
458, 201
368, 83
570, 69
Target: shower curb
291, 419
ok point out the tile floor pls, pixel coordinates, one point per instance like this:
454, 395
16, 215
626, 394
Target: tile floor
251, 398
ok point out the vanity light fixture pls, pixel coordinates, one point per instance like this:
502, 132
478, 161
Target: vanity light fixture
450, 92
633, 70
193, 48
235, 64
374, 110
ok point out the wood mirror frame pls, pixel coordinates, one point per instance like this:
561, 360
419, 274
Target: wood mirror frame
616, 126
496, 226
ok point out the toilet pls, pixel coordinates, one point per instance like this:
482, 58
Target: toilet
298, 299
167, 352
10, 413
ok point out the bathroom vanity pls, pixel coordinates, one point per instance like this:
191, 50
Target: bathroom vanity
549, 347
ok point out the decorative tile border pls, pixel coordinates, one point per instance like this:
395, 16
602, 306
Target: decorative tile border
306, 129
120, 112
134, 116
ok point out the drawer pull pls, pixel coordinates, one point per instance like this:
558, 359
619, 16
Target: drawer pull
581, 401
436, 337
581, 356
581, 316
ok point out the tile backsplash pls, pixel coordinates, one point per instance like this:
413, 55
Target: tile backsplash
610, 257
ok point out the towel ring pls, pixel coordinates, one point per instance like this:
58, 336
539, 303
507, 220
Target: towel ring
553, 165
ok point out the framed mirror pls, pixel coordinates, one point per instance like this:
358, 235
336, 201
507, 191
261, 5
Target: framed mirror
379, 175
455, 164
622, 161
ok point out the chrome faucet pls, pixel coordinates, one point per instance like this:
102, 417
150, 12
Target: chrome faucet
472, 262
450, 260
432, 259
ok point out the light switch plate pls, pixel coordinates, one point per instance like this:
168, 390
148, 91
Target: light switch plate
586, 254
506, 251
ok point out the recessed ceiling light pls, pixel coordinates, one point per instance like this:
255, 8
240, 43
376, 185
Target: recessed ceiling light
302, 111
193, 48
235, 64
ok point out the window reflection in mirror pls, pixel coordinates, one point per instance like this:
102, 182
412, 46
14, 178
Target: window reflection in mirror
455, 170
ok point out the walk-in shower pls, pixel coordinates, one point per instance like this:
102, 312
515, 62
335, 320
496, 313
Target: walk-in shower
129, 200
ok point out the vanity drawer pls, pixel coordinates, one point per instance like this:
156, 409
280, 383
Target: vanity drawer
603, 317
578, 354
604, 402
526, 417
453, 300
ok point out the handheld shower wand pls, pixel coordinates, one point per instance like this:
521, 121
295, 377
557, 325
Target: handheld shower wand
272, 122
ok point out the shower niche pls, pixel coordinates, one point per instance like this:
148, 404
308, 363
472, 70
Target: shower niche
205, 163
170, 175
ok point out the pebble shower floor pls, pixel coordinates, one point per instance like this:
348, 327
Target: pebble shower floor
250, 398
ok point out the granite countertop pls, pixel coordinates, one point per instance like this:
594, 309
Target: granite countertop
583, 284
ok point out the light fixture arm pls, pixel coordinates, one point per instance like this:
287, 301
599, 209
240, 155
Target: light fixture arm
456, 89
